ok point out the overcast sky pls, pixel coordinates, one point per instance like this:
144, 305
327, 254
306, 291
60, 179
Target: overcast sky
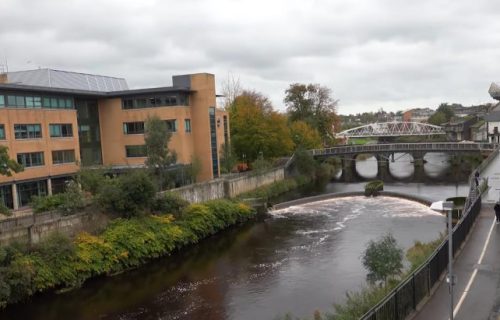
391, 54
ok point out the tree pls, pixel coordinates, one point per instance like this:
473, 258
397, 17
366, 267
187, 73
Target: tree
256, 129
315, 105
7, 165
231, 88
443, 114
383, 258
156, 138
228, 158
304, 136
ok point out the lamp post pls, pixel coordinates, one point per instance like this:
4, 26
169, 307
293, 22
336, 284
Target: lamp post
448, 206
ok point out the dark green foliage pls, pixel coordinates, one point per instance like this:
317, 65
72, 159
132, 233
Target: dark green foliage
383, 259
228, 159
373, 188
91, 179
156, 138
8, 165
67, 202
4, 210
304, 162
169, 203
58, 262
128, 195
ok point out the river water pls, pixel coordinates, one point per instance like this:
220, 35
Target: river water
297, 260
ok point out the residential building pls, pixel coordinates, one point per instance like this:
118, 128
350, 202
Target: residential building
55, 121
493, 117
417, 115
459, 129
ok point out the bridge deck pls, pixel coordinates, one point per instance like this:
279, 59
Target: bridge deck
482, 299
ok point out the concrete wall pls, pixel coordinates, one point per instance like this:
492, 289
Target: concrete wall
229, 187
31, 229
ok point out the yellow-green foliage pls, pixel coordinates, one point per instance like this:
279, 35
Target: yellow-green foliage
421, 251
273, 189
59, 262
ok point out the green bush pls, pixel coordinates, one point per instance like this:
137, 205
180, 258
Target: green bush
91, 180
67, 202
169, 203
4, 210
373, 188
128, 195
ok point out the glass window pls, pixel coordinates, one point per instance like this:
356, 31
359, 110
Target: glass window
46, 102
84, 133
133, 127
128, 104
171, 125
61, 130
30, 159
62, 103
30, 103
63, 156
2, 101
20, 101
187, 125
27, 131
2, 132
37, 102
135, 151
6, 196
53, 103
27, 190
11, 101
69, 103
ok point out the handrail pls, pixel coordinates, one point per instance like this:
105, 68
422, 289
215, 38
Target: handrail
430, 271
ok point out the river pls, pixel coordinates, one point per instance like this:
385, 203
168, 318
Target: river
297, 260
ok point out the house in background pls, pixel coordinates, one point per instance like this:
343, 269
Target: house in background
493, 117
417, 115
55, 121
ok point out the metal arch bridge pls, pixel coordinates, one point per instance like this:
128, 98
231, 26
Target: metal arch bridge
391, 129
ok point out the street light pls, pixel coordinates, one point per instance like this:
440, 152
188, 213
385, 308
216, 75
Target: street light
448, 206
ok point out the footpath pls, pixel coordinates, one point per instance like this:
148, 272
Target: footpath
477, 267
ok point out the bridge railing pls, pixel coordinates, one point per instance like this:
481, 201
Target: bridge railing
395, 147
403, 300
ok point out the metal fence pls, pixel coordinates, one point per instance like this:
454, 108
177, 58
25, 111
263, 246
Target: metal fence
403, 300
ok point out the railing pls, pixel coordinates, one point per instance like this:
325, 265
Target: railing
404, 147
403, 299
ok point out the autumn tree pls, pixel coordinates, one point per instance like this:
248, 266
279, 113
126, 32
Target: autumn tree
159, 157
8, 165
228, 158
256, 129
315, 105
304, 136
231, 88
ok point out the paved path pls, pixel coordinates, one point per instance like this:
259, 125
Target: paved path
478, 280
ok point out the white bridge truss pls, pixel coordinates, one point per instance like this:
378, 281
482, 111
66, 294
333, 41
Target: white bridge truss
391, 129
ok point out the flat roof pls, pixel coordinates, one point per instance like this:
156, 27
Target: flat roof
87, 93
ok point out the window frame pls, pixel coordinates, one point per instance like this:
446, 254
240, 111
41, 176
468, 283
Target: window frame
25, 156
67, 156
129, 148
29, 128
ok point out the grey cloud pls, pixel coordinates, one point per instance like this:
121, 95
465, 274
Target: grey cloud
383, 53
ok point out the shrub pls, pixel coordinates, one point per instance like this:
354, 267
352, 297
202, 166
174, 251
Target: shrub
383, 259
169, 203
91, 180
4, 210
67, 202
417, 254
129, 195
373, 188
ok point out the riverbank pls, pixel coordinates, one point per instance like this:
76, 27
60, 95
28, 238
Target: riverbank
58, 263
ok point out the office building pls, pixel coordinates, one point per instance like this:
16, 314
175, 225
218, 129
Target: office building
55, 121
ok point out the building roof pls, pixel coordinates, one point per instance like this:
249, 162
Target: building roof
51, 78
492, 116
478, 124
